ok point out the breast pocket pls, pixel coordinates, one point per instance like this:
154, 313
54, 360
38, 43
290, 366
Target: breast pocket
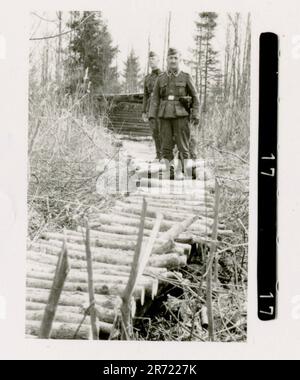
180, 89
163, 89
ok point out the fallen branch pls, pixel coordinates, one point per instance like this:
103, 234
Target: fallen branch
61, 273
93, 314
210, 270
126, 324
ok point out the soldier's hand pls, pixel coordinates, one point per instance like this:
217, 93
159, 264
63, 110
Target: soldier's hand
145, 118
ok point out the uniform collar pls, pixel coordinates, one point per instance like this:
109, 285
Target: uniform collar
156, 71
173, 73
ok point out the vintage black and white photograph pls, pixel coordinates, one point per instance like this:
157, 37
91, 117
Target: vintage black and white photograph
138, 174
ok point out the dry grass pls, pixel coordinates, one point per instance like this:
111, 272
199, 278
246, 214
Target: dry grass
65, 142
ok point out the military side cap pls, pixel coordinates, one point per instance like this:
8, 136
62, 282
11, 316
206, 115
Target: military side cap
172, 51
152, 54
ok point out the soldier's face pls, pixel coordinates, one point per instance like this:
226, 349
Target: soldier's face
173, 62
153, 62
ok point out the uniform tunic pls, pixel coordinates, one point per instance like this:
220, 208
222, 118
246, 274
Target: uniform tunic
174, 118
154, 124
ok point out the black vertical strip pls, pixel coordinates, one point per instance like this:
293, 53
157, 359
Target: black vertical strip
267, 177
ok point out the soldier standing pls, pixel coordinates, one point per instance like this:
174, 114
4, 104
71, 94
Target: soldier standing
149, 82
168, 104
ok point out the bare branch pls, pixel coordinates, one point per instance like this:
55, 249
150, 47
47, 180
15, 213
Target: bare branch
61, 34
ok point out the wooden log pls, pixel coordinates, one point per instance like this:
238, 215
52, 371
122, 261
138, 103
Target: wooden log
106, 243
133, 220
111, 280
51, 249
73, 298
202, 195
37, 261
189, 198
173, 192
126, 245
130, 121
203, 223
170, 206
76, 253
130, 125
104, 314
174, 232
167, 261
100, 254
203, 218
154, 173
201, 201
170, 260
151, 212
143, 169
81, 277
134, 210
60, 330
135, 138
33, 266
96, 234
191, 238
36, 280
31, 306
187, 186
37, 315
103, 235
33, 262
130, 220
105, 287
185, 204
119, 229
180, 248
48, 267
207, 231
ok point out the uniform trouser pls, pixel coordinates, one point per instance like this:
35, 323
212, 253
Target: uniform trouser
155, 129
193, 147
175, 131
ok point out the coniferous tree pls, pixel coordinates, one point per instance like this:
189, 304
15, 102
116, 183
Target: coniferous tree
205, 63
132, 76
91, 50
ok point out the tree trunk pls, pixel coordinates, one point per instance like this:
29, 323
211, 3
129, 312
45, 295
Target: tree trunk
59, 50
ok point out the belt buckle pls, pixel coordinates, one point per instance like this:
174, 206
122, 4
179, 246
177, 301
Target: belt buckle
171, 97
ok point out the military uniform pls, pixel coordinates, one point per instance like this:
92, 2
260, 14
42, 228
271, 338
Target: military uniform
174, 118
149, 83
193, 144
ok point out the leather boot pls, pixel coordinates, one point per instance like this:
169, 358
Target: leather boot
172, 172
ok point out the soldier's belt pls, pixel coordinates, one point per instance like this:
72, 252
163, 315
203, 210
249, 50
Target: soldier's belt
171, 97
